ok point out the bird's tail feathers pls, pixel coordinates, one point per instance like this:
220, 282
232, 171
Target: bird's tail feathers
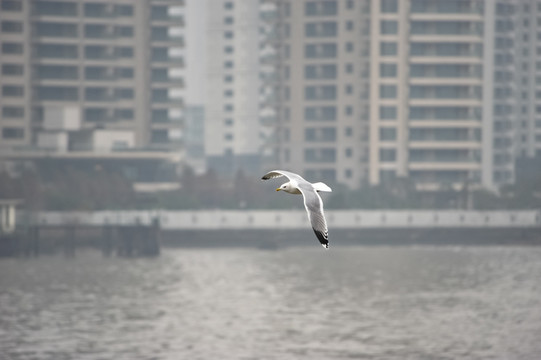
319, 186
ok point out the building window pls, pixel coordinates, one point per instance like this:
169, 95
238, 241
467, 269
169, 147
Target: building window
12, 133
228, 34
56, 72
388, 48
124, 10
387, 91
387, 112
349, 47
12, 69
124, 72
228, 20
320, 8
8, 5
387, 134
12, 48
349, 68
389, 6
387, 70
349, 25
326, 71
124, 31
320, 113
124, 114
12, 91
324, 92
321, 29
50, 29
13, 112
388, 27
228, 64
124, 93
124, 52
320, 51
61, 93
228, 5
57, 51
228, 78
12, 27
387, 155
228, 49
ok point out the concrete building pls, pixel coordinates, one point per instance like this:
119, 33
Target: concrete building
91, 76
453, 90
527, 37
323, 123
427, 118
240, 62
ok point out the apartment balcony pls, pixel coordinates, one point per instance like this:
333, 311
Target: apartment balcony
433, 144
461, 165
463, 102
469, 81
433, 38
430, 15
455, 59
430, 124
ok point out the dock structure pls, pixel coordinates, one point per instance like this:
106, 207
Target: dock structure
139, 233
35, 234
123, 230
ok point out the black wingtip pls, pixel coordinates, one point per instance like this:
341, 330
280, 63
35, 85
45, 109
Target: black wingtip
323, 238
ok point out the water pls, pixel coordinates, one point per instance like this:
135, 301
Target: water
296, 303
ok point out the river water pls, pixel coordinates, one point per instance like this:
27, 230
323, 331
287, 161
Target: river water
295, 303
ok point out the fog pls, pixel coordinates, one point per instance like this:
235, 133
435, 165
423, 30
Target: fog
134, 222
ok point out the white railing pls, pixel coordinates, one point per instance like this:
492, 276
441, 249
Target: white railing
294, 219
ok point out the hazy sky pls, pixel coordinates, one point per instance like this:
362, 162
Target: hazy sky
196, 51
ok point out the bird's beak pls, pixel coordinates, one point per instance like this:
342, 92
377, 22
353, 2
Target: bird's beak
278, 189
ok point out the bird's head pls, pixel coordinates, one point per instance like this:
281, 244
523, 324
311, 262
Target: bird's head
285, 187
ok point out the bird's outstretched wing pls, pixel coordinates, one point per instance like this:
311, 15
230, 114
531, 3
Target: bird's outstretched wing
277, 173
314, 208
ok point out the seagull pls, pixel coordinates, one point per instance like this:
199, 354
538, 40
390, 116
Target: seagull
312, 200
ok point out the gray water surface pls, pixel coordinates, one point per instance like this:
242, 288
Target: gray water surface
296, 303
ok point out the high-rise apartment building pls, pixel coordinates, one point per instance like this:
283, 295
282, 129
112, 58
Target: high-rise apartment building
323, 127
527, 35
441, 92
241, 62
427, 91
452, 90
93, 76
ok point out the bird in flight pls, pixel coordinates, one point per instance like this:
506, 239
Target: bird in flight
312, 200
